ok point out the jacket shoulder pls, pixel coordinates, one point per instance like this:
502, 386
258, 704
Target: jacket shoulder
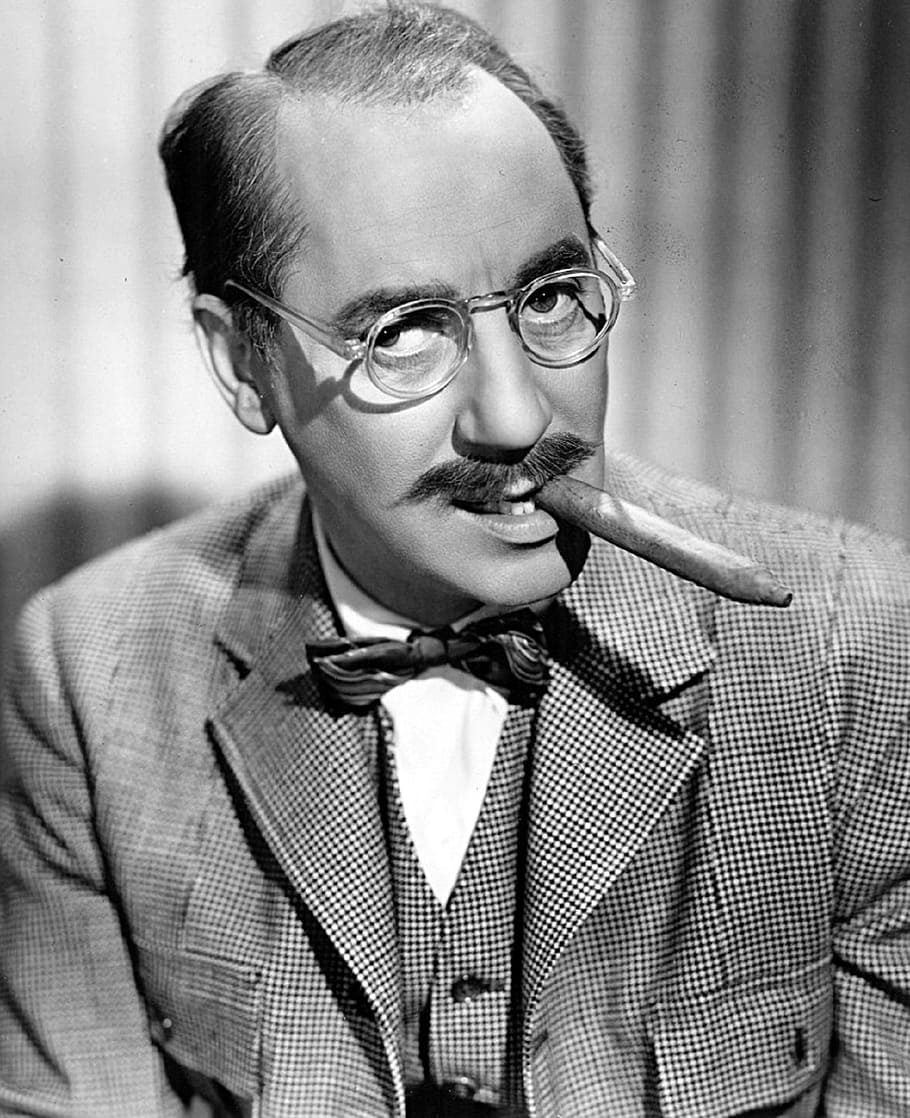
842, 646
168, 586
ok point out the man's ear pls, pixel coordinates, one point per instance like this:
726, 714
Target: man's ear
231, 363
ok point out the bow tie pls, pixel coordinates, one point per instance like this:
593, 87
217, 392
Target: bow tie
508, 652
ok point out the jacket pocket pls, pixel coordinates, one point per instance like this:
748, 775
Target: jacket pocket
204, 1014
745, 1049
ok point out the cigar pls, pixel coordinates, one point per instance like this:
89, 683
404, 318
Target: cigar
659, 541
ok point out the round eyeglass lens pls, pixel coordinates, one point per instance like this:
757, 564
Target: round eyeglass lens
566, 315
416, 349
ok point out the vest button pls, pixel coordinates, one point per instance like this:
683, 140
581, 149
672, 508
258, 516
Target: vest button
469, 988
461, 1087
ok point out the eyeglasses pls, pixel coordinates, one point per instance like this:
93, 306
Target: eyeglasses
415, 349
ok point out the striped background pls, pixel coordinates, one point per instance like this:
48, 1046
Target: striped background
753, 168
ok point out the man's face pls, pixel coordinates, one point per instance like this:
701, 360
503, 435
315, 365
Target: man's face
463, 196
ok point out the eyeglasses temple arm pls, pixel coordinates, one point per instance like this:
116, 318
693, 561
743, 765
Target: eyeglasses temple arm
625, 289
349, 348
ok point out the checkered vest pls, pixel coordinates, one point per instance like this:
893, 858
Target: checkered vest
459, 1018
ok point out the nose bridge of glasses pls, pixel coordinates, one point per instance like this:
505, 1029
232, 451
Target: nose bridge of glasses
492, 301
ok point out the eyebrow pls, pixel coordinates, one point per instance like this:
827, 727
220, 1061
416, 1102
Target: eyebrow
357, 315
568, 252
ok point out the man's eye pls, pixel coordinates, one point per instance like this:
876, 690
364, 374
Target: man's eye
552, 297
405, 337
415, 331
388, 336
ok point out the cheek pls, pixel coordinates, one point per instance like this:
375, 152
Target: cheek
349, 438
578, 397
369, 461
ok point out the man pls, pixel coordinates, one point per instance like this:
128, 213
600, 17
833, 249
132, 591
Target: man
660, 869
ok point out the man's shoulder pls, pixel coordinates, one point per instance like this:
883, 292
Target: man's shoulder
850, 583
842, 647
172, 577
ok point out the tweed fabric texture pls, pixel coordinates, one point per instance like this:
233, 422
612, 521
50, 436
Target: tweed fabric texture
714, 880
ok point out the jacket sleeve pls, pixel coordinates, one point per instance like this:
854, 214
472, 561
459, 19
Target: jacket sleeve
74, 1038
869, 702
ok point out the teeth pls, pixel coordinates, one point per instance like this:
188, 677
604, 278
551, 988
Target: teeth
515, 508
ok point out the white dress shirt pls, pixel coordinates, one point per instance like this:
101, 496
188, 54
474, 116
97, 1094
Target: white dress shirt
447, 726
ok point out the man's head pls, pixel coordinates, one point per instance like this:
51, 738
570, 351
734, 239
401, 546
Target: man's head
388, 157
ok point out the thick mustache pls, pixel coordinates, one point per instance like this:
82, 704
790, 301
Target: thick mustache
476, 481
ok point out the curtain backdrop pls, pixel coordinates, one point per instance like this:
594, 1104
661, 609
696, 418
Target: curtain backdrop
752, 159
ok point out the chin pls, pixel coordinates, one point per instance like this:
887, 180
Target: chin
534, 576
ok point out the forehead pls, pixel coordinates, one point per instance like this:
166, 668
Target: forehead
462, 191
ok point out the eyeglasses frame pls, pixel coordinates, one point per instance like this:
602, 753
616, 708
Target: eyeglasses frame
619, 279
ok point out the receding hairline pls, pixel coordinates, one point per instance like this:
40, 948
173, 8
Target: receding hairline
317, 111
449, 99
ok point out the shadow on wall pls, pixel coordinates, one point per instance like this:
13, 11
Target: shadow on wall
48, 541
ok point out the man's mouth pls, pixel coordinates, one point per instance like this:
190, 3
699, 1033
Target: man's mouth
517, 502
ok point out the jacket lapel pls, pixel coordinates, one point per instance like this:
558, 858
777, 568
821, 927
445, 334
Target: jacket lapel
606, 761
304, 771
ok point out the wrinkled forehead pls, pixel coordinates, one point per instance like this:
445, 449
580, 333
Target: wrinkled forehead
457, 189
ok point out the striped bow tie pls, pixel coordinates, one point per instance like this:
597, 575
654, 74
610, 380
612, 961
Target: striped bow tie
507, 652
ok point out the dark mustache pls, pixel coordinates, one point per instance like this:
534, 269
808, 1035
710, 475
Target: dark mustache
476, 481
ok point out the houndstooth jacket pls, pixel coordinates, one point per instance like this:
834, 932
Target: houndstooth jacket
715, 894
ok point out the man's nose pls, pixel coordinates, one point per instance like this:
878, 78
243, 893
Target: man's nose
504, 410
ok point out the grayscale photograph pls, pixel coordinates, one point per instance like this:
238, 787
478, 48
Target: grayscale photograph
454, 567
